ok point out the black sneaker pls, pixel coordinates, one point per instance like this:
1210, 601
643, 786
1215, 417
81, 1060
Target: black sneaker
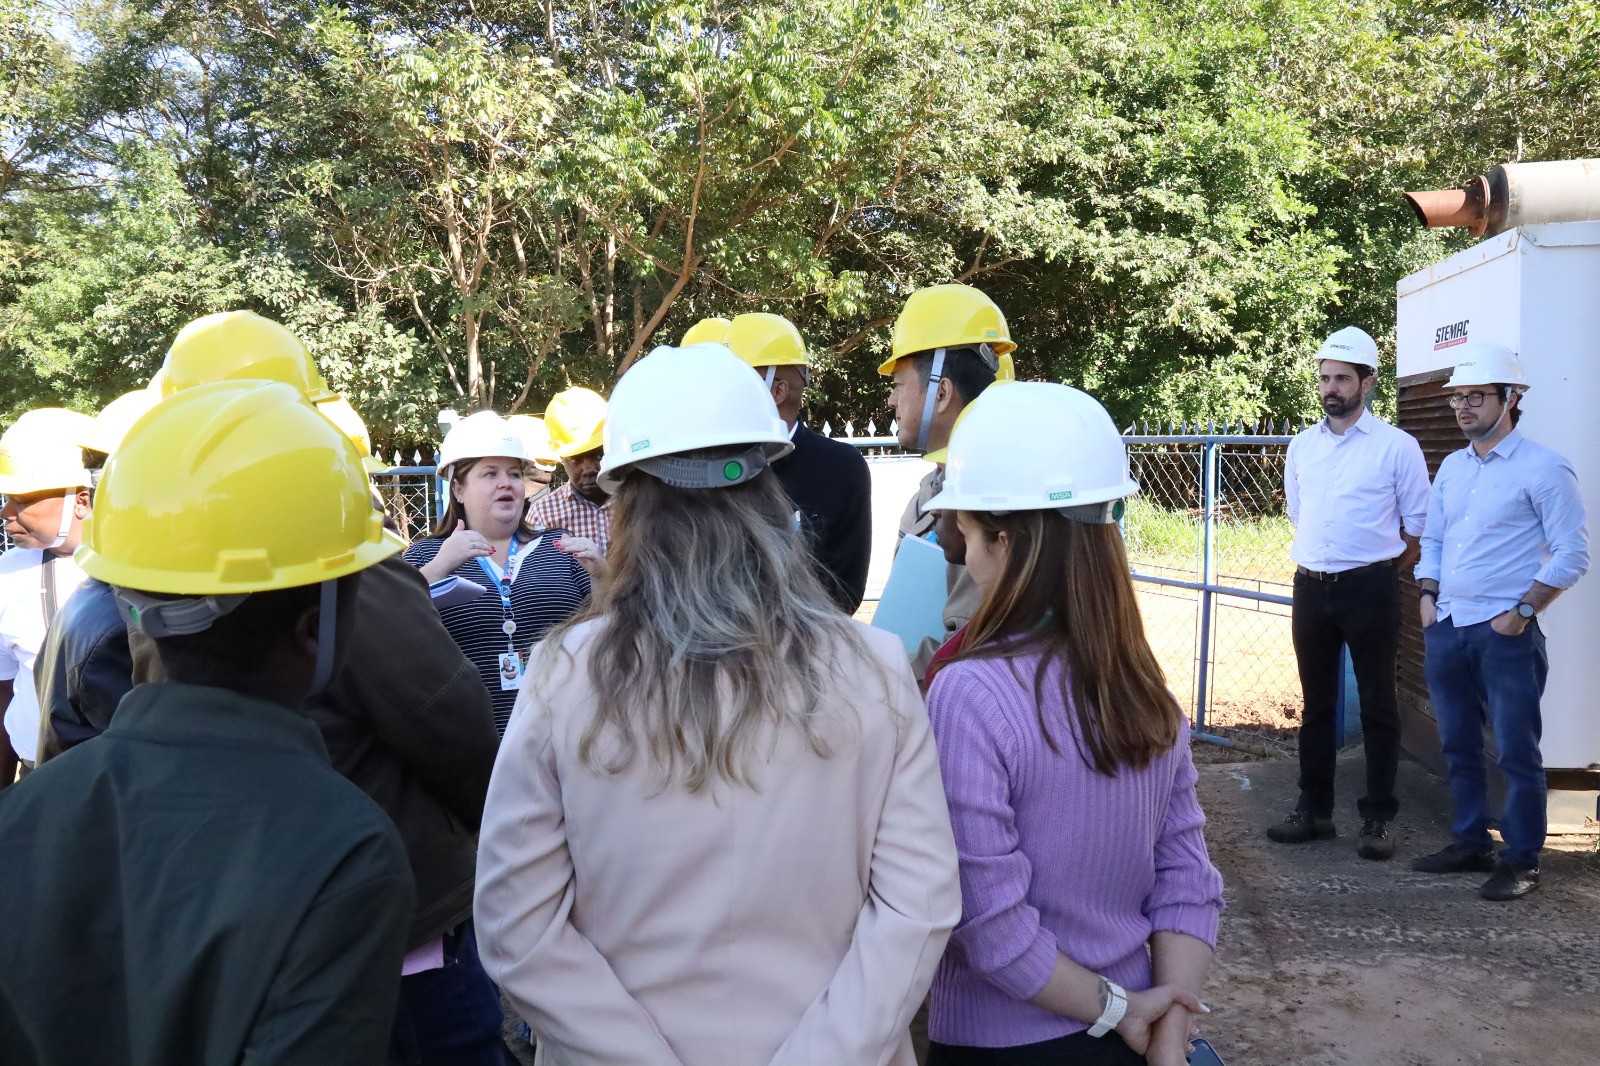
1455, 858
1375, 842
1302, 827
1509, 883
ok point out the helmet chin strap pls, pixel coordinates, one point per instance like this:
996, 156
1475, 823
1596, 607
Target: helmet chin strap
327, 622
935, 375
69, 504
1505, 413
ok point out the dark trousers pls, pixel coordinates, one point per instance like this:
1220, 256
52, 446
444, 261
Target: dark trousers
1361, 611
450, 1016
1078, 1049
1475, 675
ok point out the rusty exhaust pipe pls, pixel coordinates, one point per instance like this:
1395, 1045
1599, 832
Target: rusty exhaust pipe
1465, 208
1515, 194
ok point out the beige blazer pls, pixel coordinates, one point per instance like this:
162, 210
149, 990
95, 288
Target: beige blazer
796, 924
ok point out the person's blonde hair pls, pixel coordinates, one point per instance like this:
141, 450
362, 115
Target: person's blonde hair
713, 627
1064, 593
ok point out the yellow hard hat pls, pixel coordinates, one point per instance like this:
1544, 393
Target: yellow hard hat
238, 345
763, 339
576, 420
535, 439
947, 316
116, 418
342, 415
707, 331
43, 450
233, 487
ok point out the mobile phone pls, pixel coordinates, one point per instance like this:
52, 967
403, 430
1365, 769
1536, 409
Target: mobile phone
1201, 1053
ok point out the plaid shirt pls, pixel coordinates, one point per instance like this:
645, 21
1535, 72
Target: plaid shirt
565, 509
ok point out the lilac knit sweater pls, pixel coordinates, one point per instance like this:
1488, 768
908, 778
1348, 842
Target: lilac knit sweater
1054, 857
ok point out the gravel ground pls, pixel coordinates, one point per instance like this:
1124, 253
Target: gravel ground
1328, 959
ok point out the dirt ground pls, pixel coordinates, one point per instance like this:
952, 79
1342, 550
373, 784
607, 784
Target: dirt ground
1326, 958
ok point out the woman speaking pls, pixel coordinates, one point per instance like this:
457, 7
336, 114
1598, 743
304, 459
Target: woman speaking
529, 583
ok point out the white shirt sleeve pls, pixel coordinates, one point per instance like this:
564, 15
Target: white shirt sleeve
1411, 486
1291, 485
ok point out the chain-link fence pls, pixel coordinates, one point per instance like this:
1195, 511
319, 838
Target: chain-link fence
1208, 540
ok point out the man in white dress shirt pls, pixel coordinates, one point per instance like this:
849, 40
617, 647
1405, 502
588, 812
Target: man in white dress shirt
46, 498
1357, 492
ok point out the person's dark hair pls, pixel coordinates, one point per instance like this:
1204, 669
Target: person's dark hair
1064, 593
238, 642
453, 510
968, 374
93, 460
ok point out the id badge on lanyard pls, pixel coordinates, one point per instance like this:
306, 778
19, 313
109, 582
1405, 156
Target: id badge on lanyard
511, 660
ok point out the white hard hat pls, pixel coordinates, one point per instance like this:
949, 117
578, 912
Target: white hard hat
1489, 364
1350, 345
479, 436
1036, 446
680, 400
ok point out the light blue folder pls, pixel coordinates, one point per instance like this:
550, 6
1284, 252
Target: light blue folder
913, 600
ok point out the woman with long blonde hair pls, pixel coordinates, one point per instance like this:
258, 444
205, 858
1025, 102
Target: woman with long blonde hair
1090, 906
715, 832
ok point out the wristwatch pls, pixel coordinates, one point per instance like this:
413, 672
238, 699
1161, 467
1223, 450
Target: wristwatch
1432, 595
1116, 1005
1525, 611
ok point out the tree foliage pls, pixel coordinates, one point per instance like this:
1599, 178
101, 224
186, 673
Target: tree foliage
475, 204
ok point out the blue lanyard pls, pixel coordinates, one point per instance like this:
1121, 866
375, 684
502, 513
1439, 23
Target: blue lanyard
503, 583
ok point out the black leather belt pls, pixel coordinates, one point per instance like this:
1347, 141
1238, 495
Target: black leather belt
1317, 575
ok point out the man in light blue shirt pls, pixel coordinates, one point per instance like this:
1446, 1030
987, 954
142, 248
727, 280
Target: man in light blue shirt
1505, 535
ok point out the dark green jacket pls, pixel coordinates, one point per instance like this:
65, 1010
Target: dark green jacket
408, 720
198, 886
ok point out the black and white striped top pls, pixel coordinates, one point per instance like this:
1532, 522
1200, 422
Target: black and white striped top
550, 585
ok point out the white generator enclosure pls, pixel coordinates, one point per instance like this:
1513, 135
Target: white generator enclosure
1536, 290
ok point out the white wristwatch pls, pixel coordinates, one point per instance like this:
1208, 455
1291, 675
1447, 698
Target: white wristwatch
1116, 1007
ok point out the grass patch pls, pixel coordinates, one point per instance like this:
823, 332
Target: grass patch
1251, 548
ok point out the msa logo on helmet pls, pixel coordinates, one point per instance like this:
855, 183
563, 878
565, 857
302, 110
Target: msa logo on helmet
1065, 494
1450, 336
641, 446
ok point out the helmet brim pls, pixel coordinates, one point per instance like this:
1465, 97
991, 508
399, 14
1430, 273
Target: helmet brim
956, 500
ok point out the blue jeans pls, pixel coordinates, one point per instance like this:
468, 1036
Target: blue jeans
450, 1016
1475, 675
